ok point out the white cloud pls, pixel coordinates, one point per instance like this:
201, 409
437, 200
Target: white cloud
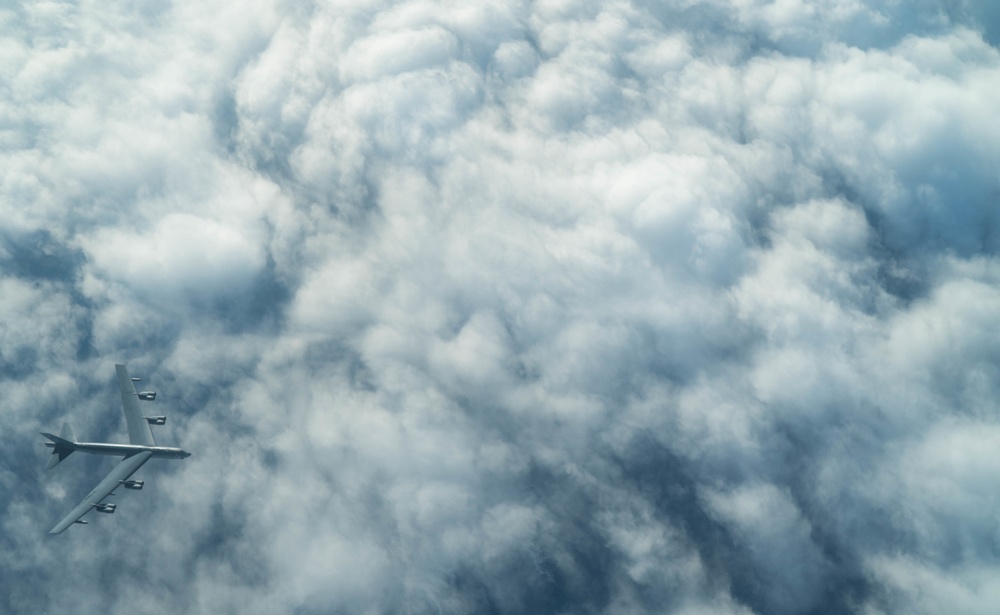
510, 306
181, 253
779, 540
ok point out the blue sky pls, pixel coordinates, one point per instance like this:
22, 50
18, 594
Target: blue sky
506, 307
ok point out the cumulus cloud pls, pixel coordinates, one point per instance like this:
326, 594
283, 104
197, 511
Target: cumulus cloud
516, 307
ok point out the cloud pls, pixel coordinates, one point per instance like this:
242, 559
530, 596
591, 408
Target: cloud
513, 307
183, 253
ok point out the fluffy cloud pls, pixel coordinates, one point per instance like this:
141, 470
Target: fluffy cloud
514, 307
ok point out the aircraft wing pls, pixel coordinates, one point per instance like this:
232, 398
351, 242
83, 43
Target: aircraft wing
125, 468
138, 428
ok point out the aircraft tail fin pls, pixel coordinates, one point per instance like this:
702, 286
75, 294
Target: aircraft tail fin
61, 446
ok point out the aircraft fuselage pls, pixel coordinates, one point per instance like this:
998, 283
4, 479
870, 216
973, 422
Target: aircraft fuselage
127, 450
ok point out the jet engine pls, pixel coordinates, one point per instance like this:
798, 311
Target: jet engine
105, 508
132, 484
156, 420
147, 395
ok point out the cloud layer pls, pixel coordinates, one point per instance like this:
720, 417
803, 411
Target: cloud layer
558, 306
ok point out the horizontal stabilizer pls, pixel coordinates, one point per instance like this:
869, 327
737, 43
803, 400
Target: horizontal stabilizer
61, 446
58, 454
60, 442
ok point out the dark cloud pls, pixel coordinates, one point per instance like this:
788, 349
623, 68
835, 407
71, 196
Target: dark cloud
636, 307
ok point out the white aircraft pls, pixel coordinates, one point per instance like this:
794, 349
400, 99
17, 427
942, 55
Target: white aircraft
141, 448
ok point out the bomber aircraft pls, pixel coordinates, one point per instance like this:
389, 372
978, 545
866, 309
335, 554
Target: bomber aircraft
140, 449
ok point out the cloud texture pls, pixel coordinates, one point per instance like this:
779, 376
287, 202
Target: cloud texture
558, 306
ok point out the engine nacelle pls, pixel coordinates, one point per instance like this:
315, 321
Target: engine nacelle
105, 508
156, 420
80, 521
147, 395
132, 484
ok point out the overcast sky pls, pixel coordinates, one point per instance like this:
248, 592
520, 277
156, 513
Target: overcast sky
564, 306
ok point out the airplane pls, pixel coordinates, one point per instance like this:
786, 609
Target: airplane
140, 449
